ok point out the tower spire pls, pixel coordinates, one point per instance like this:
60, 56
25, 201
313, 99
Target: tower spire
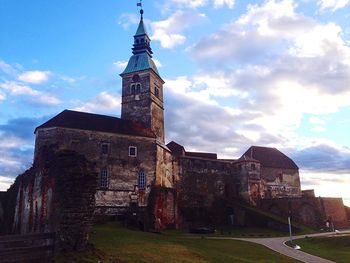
141, 9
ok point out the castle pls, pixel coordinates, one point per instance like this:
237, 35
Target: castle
158, 185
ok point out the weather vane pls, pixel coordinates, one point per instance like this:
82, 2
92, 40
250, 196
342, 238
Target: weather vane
141, 10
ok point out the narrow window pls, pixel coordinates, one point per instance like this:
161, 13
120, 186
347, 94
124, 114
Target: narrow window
253, 166
138, 88
132, 151
240, 167
104, 148
141, 180
104, 178
156, 92
133, 89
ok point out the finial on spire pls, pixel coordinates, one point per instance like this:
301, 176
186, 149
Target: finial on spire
141, 10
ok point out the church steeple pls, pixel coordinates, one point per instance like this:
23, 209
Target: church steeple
142, 51
142, 93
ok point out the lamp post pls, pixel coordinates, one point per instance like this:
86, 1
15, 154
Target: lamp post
290, 230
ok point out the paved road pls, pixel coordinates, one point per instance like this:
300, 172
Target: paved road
277, 244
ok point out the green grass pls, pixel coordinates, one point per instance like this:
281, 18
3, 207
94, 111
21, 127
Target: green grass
114, 243
336, 248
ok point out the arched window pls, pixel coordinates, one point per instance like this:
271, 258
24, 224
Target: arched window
141, 181
138, 88
133, 89
104, 178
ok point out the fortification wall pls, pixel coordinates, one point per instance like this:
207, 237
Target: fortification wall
203, 187
335, 211
310, 211
57, 195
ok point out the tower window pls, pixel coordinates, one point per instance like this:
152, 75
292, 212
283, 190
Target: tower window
253, 166
156, 92
141, 181
132, 151
138, 88
105, 148
104, 178
132, 91
142, 40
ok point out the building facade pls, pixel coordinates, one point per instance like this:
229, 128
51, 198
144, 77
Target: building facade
155, 185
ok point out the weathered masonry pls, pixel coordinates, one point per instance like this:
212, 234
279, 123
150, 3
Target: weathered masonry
88, 165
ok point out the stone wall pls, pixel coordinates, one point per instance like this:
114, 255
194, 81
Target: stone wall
203, 187
280, 182
123, 170
335, 211
310, 211
250, 188
144, 107
57, 196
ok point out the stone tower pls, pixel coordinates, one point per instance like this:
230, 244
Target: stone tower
142, 88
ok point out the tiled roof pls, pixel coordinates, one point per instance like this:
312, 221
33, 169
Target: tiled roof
95, 122
270, 157
202, 155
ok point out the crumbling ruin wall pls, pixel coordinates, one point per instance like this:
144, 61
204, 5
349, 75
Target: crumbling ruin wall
163, 205
57, 195
250, 188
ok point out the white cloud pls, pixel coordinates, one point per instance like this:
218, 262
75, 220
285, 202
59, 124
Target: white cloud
2, 96
333, 5
18, 89
7, 68
5, 182
126, 20
190, 3
221, 3
169, 32
316, 120
104, 102
327, 184
34, 77
318, 129
157, 62
121, 64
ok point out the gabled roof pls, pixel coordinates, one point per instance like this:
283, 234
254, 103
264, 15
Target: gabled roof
95, 122
246, 158
270, 157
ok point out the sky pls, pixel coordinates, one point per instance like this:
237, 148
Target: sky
238, 73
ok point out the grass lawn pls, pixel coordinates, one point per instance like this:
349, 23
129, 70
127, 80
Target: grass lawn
114, 243
336, 248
